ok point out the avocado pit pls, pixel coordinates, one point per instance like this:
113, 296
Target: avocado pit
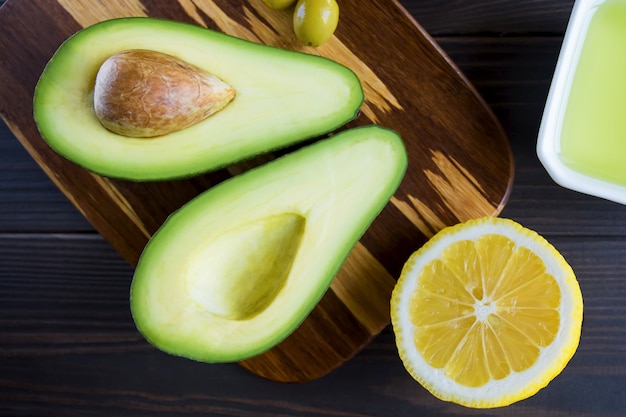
142, 93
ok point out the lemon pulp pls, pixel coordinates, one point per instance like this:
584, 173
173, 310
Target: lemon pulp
492, 307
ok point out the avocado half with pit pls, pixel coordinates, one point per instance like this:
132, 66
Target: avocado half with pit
276, 98
237, 269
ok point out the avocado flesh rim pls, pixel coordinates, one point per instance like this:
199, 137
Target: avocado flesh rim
324, 196
283, 97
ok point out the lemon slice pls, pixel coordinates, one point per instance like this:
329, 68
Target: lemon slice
486, 313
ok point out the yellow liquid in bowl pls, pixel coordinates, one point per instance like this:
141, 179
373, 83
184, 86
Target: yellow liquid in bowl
593, 137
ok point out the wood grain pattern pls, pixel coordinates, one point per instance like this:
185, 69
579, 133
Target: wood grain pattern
460, 161
68, 346
492, 17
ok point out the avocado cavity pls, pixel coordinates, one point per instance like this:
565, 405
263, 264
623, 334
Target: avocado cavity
143, 93
239, 273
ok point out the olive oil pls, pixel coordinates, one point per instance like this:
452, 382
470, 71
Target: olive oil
593, 136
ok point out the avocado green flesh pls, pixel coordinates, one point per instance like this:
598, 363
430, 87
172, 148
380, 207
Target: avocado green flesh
283, 97
238, 268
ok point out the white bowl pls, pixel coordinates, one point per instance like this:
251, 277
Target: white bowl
549, 139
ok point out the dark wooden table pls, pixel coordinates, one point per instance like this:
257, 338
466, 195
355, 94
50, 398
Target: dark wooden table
68, 345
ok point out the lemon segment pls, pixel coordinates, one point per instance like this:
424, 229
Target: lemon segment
486, 313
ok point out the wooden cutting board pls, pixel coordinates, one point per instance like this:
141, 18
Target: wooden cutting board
460, 162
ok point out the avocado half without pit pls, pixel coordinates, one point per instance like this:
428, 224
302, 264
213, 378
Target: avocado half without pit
151, 99
237, 269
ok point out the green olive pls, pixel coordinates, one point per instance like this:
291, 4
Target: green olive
315, 21
279, 4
